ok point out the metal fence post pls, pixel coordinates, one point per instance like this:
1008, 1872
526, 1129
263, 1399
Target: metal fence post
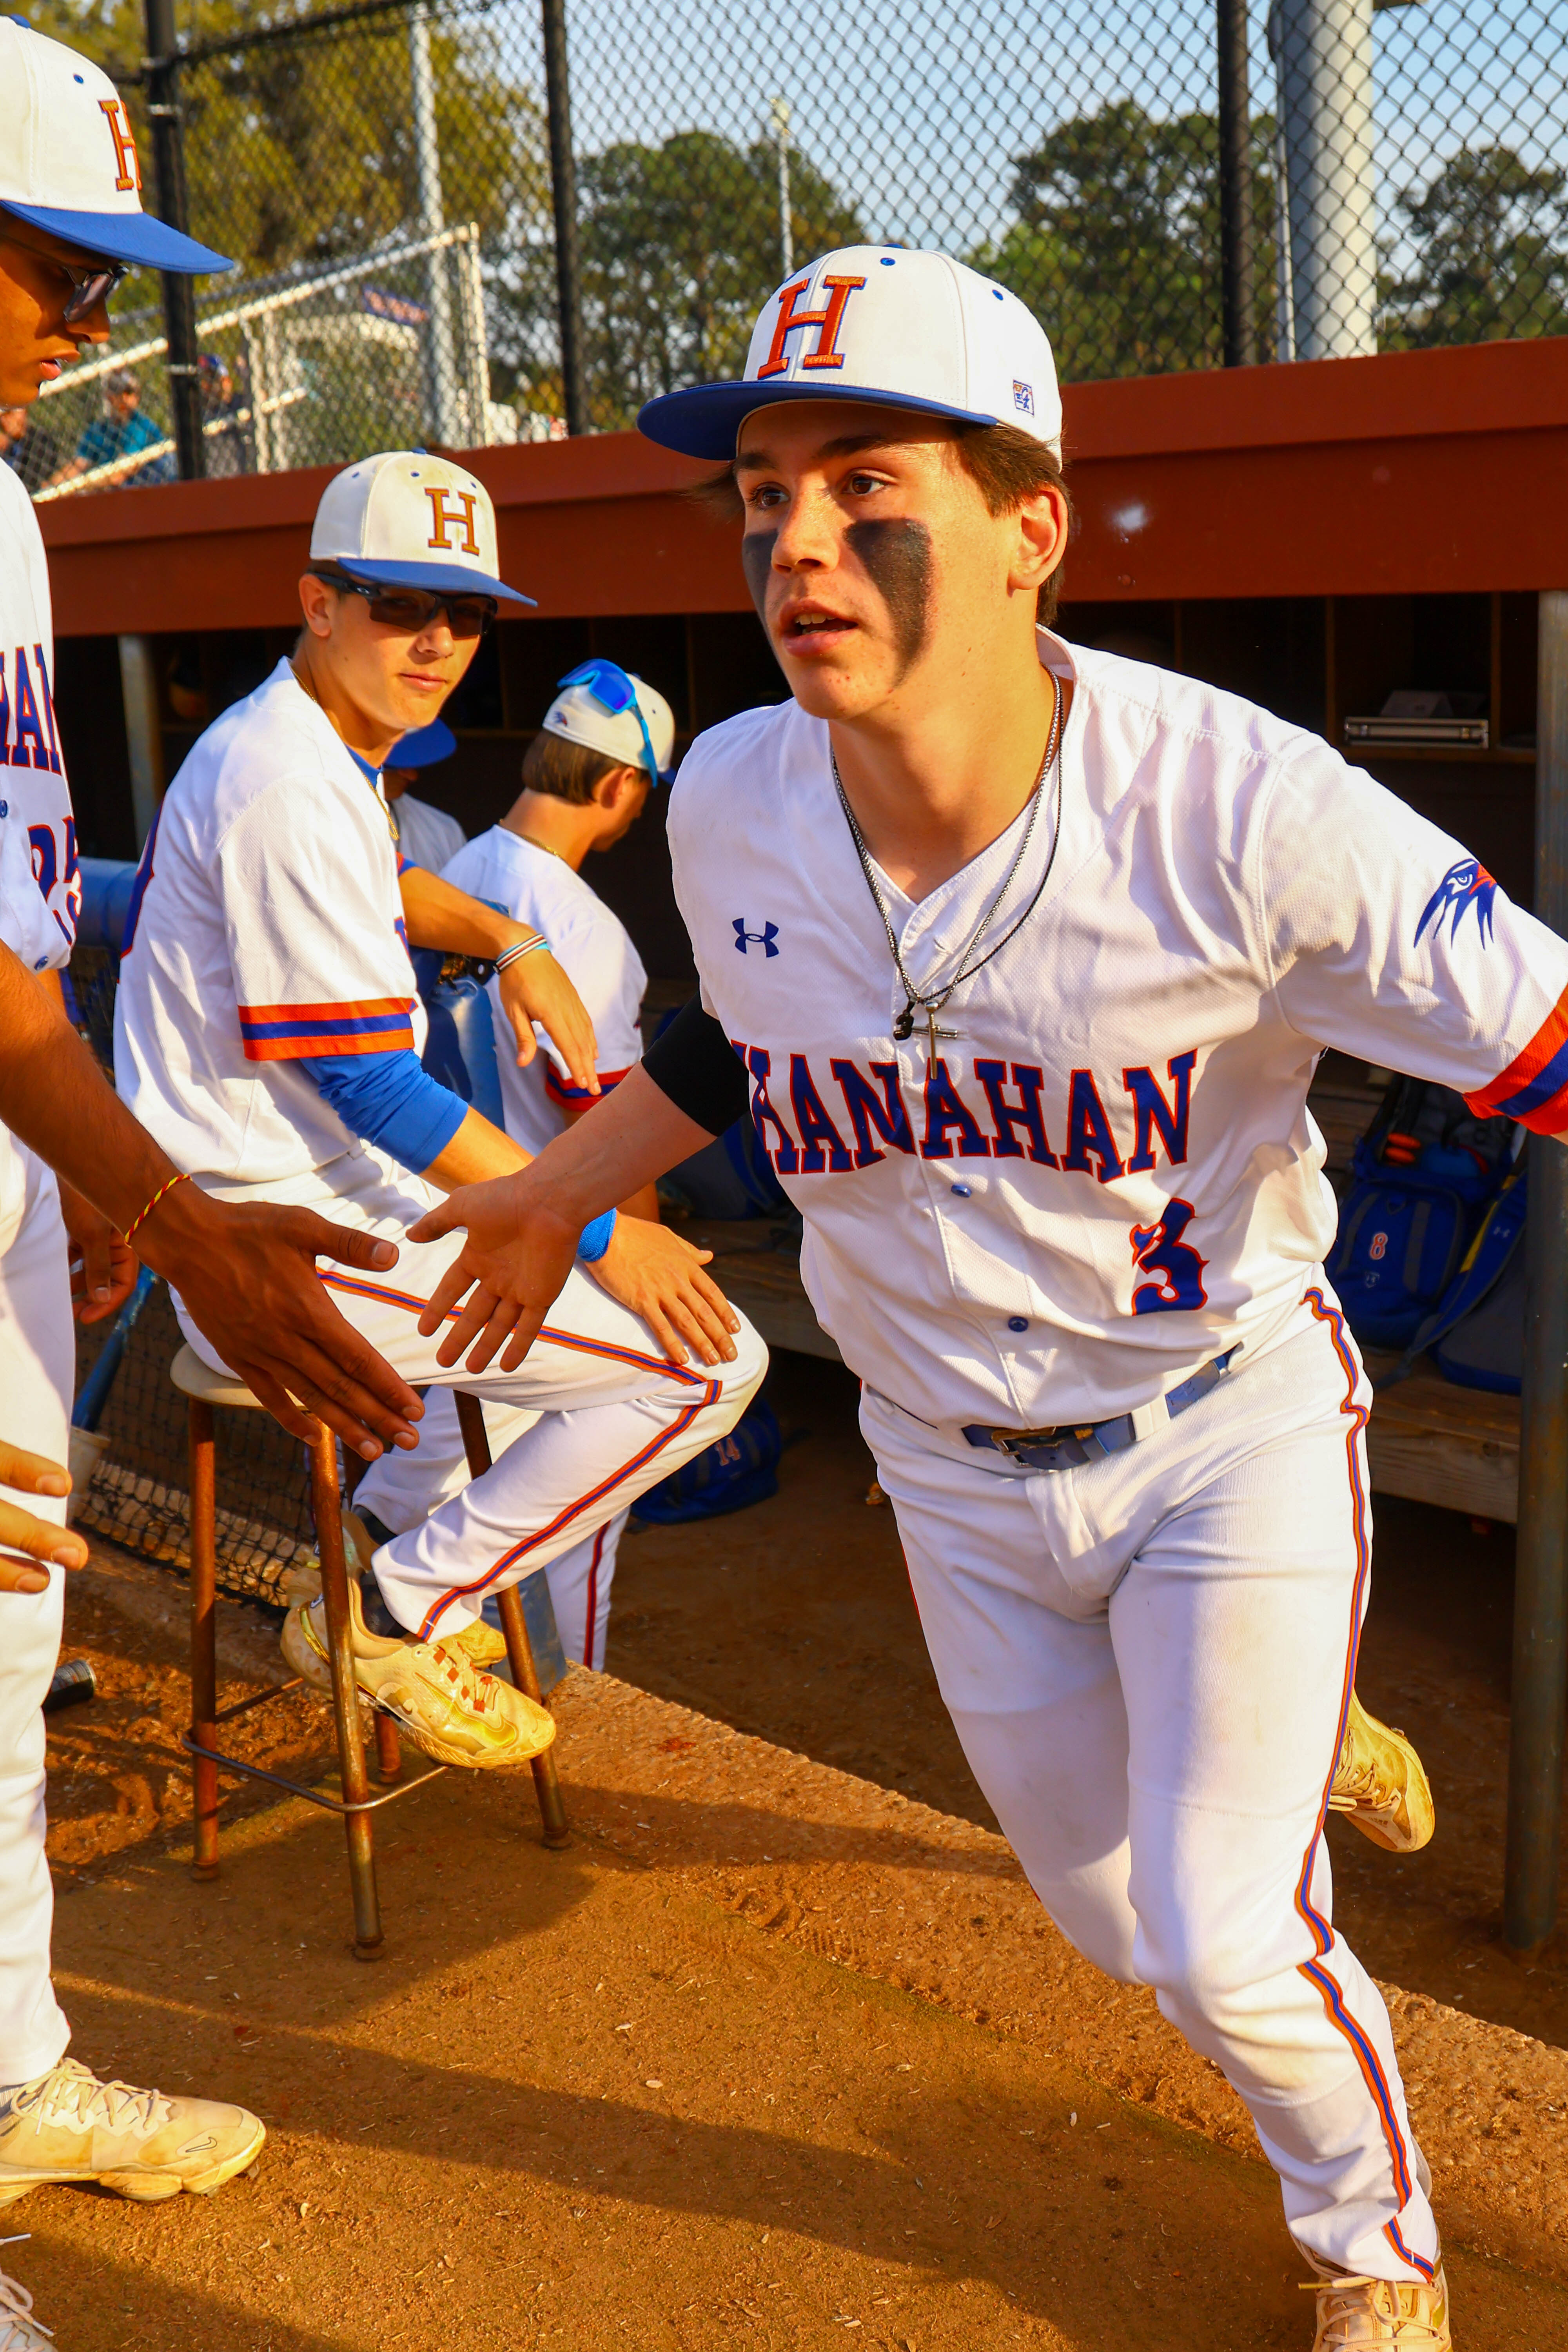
563, 197
179, 293
1240, 318
442, 387
1540, 1576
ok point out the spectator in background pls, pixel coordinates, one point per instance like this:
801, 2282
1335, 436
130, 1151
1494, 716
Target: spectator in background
223, 430
120, 433
28, 449
426, 837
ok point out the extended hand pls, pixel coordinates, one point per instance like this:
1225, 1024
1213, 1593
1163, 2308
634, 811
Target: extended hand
512, 1270
660, 1277
30, 1474
103, 1264
246, 1272
536, 988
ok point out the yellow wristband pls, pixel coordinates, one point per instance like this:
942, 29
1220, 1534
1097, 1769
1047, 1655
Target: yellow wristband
141, 1218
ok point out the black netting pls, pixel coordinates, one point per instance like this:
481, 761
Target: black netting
385, 184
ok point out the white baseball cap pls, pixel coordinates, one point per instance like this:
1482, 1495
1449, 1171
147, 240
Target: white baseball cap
880, 323
598, 704
68, 159
407, 519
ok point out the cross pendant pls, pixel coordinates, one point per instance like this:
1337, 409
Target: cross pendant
933, 1033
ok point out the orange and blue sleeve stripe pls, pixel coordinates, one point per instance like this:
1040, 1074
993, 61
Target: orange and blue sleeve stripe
574, 1097
1534, 1086
292, 1033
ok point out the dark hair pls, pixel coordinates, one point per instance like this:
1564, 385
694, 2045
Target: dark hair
568, 771
1007, 466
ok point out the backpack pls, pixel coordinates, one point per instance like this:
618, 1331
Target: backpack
1476, 1332
1424, 1173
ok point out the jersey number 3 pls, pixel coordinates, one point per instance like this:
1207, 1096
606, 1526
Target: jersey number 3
1175, 1267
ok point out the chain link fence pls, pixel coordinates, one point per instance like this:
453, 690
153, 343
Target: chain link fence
1167, 186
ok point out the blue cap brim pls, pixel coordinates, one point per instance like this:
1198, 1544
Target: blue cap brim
703, 420
455, 579
136, 238
424, 747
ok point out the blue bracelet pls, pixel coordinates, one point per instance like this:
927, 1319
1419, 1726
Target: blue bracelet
595, 1238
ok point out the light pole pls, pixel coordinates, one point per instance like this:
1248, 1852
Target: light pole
780, 115
441, 376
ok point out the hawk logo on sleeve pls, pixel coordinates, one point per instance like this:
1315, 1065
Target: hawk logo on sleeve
1463, 886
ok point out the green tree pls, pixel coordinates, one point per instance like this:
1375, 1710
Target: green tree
302, 151
680, 249
1116, 243
1488, 236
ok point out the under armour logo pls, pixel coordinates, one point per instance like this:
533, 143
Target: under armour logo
128, 172
444, 521
827, 321
745, 941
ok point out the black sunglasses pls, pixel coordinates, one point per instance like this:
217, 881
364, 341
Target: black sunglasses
89, 287
412, 610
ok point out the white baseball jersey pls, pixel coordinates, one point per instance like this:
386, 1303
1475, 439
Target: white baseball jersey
33, 784
426, 837
592, 947
266, 926
1108, 1174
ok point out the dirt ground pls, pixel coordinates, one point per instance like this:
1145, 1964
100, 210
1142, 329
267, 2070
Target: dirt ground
794, 1620
593, 2095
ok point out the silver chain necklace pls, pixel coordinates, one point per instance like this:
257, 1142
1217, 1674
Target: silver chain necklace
931, 1001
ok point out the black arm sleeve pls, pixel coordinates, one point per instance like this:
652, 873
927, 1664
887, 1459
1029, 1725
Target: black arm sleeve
696, 1066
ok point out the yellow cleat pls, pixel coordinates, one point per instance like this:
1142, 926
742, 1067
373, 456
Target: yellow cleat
1367, 2315
449, 1709
1381, 1785
68, 2125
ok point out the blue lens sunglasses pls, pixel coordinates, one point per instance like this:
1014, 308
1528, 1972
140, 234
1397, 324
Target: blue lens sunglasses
614, 691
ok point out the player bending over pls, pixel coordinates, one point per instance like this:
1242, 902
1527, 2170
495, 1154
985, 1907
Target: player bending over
1025, 956
607, 739
267, 1031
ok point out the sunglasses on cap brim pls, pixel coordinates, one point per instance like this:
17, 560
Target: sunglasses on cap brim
412, 610
609, 685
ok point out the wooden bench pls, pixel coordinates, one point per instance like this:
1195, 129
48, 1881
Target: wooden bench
1427, 1440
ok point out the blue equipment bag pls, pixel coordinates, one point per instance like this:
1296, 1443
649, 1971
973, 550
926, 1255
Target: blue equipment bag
740, 1470
1425, 1172
460, 1048
1476, 1332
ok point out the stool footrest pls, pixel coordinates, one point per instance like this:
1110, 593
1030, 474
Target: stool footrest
260, 1698
299, 1788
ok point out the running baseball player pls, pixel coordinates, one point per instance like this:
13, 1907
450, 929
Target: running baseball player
1024, 957
607, 741
70, 224
268, 1030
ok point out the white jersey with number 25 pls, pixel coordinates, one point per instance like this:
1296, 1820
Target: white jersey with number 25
1107, 1173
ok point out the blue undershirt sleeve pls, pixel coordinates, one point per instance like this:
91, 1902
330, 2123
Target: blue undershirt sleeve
389, 1100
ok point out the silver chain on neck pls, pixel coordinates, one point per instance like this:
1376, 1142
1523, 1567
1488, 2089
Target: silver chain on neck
931, 1001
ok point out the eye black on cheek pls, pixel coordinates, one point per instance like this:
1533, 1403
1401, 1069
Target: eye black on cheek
757, 562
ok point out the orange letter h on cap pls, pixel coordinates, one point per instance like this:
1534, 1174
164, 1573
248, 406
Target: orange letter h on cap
827, 321
444, 519
127, 171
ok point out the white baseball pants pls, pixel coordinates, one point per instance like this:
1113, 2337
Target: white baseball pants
1147, 1662
608, 1414
402, 1489
37, 1367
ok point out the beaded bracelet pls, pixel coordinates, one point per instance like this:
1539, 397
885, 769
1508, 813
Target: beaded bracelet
143, 1216
520, 948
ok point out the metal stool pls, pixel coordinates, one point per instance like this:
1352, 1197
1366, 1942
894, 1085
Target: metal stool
205, 1389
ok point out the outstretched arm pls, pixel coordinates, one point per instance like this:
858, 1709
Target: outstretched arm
246, 1274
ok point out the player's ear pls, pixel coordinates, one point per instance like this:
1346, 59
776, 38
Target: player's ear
316, 604
1041, 523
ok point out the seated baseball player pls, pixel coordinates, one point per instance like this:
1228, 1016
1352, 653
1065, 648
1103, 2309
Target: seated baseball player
607, 739
268, 1032
1022, 957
